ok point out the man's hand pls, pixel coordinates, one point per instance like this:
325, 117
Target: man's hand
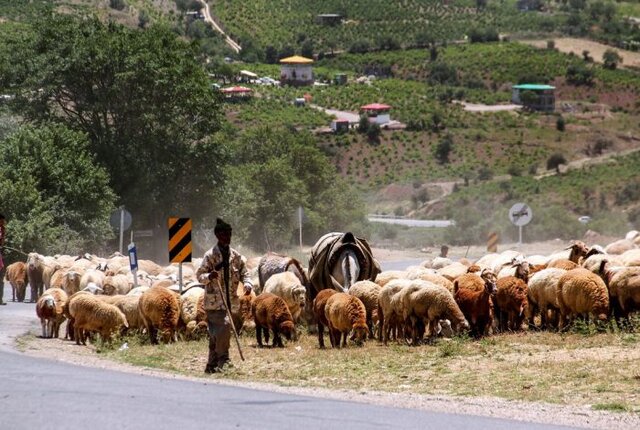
213, 275
247, 289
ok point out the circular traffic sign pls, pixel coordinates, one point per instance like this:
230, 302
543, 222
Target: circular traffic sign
114, 219
520, 214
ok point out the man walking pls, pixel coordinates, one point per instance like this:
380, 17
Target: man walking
221, 269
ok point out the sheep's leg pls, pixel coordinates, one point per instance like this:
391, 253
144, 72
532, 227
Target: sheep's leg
336, 337
266, 335
50, 328
384, 332
344, 339
153, 334
13, 290
320, 334
259, 335
381, 325
43, 323
277, 340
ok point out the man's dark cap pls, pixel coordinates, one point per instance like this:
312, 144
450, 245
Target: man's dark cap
221, 226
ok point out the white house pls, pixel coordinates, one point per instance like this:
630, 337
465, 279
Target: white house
296, 70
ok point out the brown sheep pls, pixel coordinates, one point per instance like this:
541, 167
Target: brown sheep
49, 310
346, 314
563, 264
581, 291
511, 303
367, 292
270, 312
319, 304
160, 311
624, 289
16, 275
473, 294
91, 314
129, 307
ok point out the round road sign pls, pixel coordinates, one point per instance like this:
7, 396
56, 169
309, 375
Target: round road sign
520, 214
114, 220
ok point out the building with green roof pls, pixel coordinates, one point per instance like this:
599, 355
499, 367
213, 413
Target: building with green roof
540, 97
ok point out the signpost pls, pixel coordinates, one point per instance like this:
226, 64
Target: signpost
133, 262
300, 214
120, 219
180, 243
492, 242
520, 215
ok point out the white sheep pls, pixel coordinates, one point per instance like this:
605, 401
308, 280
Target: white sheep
288, 286
543, 295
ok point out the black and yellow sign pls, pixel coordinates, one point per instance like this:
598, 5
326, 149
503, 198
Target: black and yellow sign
180, 240
492, 242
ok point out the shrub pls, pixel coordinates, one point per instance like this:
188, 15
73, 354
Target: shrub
551, 44
363, 124
611, 59
555, 160
117, 4
373, 133
560, 123
578, 74
443, 149
443, 74
485, 173
360, 46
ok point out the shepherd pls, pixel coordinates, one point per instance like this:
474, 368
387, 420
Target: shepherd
221, 263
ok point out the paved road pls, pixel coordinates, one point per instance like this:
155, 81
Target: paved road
42, 394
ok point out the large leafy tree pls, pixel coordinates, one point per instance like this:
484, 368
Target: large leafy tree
140, 96
53, 193
274, 172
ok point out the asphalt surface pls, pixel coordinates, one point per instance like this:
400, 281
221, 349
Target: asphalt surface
44, 394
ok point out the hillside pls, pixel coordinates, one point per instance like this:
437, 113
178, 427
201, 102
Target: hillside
446, 157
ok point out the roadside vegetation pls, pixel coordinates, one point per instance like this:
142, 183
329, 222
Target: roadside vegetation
586, 366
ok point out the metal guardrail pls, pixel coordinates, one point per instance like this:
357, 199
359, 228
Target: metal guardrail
386, 219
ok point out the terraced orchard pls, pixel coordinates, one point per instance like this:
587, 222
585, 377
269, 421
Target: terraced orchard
408, 23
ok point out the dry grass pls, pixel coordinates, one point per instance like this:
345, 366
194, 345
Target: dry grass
596, 50
576, 369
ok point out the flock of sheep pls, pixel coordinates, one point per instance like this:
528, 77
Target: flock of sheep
498, 292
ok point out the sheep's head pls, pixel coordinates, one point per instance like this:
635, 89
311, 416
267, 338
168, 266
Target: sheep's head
444, 329
48, 302
359, 334
522, 269
578, 249
287, 329
299, 294
460, 326
34, 260
490, 280
473, 268
108, 289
